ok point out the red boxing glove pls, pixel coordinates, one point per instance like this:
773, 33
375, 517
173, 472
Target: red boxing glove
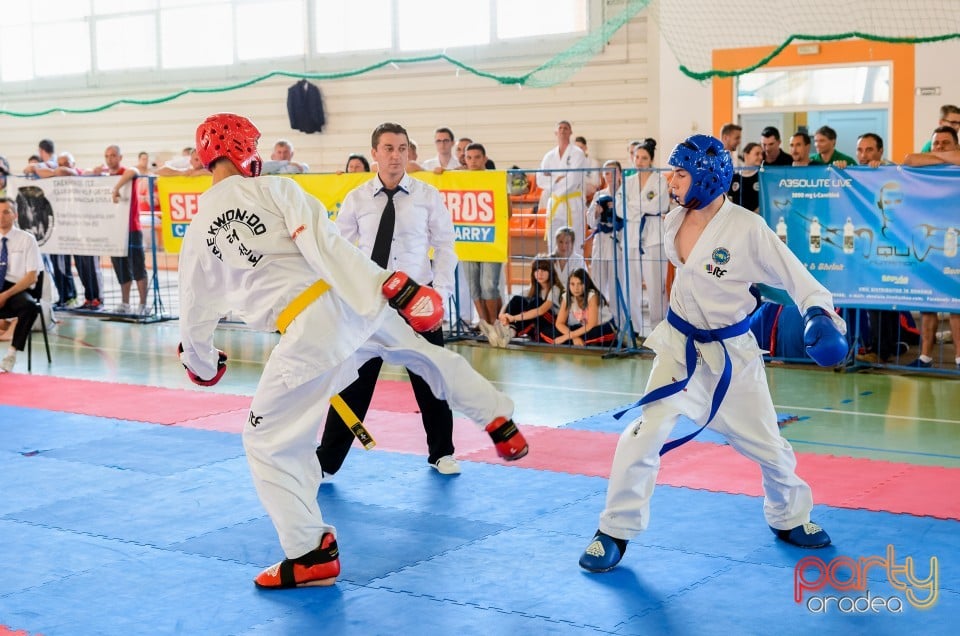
196, 379
420, 306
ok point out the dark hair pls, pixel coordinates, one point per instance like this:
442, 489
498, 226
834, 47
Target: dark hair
476, 146
545, 263
948, 109
360, 158
802, 135
750, 146
445, 130
387, 127
581, 139
827, 132
46, 145
729, 128
650, 145
770, 131
950, 130
877, 138
588, 286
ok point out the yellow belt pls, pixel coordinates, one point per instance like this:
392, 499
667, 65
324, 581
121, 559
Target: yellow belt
555, 203
300, 303
291, 311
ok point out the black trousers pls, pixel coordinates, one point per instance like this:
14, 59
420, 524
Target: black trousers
437, 416
24, 309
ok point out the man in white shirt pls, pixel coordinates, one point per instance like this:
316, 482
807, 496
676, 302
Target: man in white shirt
562, 178
422, 222
19, 263
445, 159
281, 161
730, 136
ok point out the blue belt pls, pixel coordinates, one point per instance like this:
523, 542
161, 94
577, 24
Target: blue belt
643, 224
695, 335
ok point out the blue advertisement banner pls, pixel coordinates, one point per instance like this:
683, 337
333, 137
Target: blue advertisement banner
881, 238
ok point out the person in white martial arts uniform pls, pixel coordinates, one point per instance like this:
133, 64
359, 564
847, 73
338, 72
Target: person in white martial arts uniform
647, 200
562, 179
606, 213
266, 251
708, 364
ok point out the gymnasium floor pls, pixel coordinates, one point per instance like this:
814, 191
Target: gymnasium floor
127, 507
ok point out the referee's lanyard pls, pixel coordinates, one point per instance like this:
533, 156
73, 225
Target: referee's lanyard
694, 336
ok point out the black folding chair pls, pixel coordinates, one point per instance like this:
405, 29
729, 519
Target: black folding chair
37, 294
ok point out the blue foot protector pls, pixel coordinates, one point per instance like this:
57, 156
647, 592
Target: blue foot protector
603, 554
806, 535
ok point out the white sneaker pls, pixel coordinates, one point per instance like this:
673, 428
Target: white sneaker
6, 366
447, 465
123, 308
490, 332
145, 310
505, 333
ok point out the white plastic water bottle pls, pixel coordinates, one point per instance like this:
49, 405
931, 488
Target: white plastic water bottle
782, 229
950, 243
848, 237
815, 236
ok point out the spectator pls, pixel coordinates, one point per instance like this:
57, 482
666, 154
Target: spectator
773, 155
606, 214
131, 267
413, 158
562, 180
534, 314
730, 136
88, 266
584, 318
188, 166
443, 139
944, 150
281, 160
483, 277
62, 264
648, 199
800, 151
949, 116
143, 163
19, 263
745, 187
396, 221
565, 260
825, 139
461, 151
4, 171
357, 163
592, 178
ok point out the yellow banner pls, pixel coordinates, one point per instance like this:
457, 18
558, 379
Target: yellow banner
477, 202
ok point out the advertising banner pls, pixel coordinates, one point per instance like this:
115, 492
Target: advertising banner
73, 215
883, 238
477, 202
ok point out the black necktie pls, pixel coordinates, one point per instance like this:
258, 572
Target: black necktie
381, 245
3, 262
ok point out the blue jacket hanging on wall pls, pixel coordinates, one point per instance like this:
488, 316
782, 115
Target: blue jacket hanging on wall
305, 107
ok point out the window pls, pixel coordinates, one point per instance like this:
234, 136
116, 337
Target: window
196, 36
267, 30
540, 17
126, 42
357, 25
440, 24
815, 87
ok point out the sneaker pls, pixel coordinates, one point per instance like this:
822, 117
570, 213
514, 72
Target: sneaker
806, 535
123, 308
319, 567
92, 305
505, 333
489, 332
507, 439
920, 364
6, 364
145, 310
603, 554
73, 302
447, 465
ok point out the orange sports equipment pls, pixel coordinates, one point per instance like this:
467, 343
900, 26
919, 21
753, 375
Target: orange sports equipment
319, 567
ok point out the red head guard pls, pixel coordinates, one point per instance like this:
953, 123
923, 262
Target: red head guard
231, 136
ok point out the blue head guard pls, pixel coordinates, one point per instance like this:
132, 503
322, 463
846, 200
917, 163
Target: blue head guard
710, 168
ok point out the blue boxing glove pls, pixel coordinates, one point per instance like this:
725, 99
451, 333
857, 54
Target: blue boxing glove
821, 338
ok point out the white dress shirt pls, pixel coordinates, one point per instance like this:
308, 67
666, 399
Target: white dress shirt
422, 222
430, 164
23, 254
